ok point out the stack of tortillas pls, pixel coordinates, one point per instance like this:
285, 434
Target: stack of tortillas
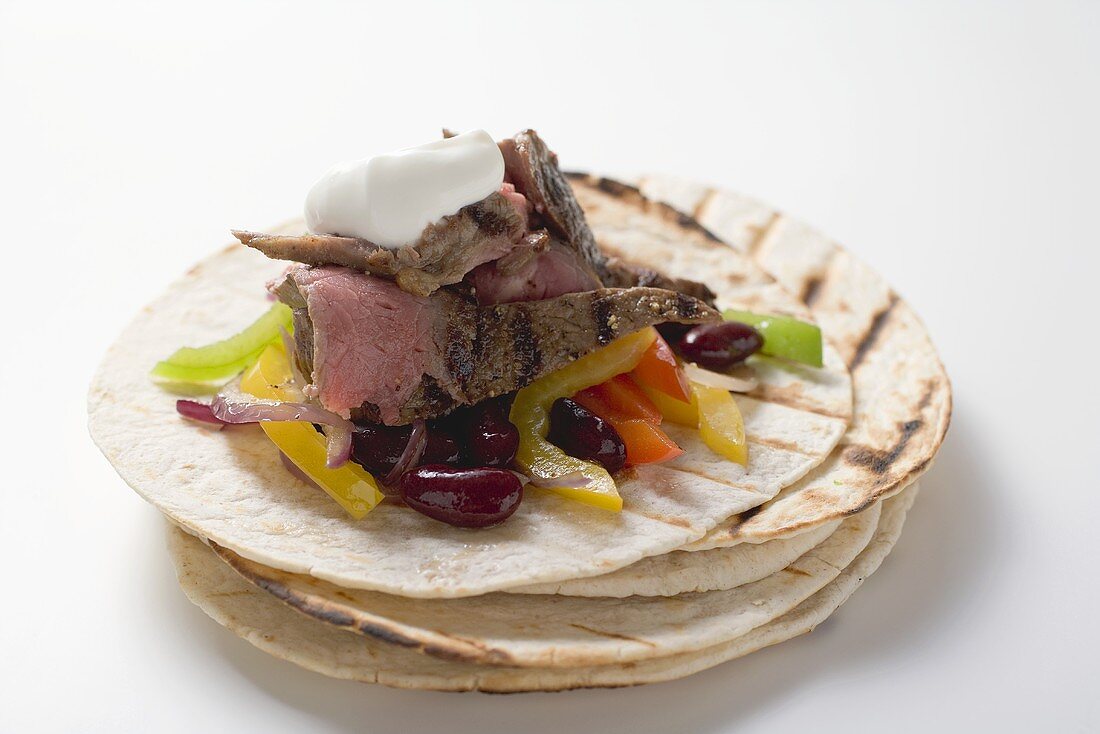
708, 560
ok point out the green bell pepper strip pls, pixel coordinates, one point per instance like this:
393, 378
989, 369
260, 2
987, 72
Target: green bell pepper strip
784, 337
209, 367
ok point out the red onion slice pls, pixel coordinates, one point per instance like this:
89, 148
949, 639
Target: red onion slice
411, 455
199, 412
338, 450
238, 410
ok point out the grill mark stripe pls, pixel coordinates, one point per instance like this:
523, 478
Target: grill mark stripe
634, 196
703, 203
686, 307
761, 394
487, 221
460, 363
878, 323
719, 480
762, 234
601, 314
879, 462
526, 353
745, 516
617, 189
811, 291
778, 444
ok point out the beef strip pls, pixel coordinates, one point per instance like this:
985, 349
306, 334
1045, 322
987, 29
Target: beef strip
623, 274
384, 355
533, 168
540, 267
445, 252
492, 234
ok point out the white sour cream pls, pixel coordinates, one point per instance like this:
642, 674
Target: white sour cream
390, 198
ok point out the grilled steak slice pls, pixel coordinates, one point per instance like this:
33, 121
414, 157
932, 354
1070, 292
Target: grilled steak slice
543, 267
533, 168
623, 274
381, 354
445, 252
540, 267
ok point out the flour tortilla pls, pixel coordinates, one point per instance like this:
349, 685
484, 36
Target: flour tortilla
273, 627
902, 394
682, 572
230, 486
901, 390
561, 631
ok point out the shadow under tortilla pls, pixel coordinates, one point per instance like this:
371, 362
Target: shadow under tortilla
951, 538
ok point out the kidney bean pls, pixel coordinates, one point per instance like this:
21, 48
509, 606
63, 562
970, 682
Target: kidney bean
466, 498
581, 433
720, 346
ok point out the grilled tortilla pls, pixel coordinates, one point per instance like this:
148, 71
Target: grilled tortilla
231, 487
902, 392
276, 628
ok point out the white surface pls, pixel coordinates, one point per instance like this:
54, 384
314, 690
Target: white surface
952, 146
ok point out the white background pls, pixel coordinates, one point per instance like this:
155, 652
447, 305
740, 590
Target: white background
953, 146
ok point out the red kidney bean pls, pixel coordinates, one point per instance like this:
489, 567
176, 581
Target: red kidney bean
581, 433
720, 346
466, 498
491, 439
442, 445
377, 448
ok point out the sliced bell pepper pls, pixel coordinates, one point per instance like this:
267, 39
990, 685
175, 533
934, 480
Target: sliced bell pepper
677, 411
531, 415
645, 442
198, 369
622, 395
660, 371
784, 337
720, 424
350, 485
714, 412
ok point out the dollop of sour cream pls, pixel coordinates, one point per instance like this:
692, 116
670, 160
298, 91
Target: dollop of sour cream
390, 198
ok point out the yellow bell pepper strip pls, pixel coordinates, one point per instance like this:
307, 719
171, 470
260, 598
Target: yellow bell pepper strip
720, 424
676, 411
197, 369
531, 415
350, 485
714, 412
784, 337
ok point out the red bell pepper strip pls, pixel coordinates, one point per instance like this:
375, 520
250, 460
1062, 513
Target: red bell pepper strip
623, 395
645, 442
660, 371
